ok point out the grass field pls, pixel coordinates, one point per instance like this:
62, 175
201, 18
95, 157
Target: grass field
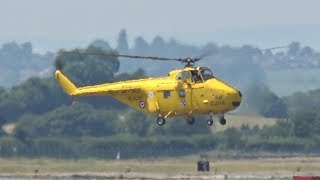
245, 167
238, 120
162, 168
232, 121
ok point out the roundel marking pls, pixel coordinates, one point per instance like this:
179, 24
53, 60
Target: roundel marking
142, 104
151, 94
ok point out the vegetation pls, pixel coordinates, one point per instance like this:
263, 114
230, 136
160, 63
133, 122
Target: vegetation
297, 134
18, 62
160, 168
49, 123
262, 100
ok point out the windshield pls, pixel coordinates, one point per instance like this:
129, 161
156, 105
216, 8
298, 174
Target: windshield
206, 74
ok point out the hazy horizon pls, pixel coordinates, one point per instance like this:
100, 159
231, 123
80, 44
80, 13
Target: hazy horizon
51, 25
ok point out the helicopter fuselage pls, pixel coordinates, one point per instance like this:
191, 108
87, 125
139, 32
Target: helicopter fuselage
189, 91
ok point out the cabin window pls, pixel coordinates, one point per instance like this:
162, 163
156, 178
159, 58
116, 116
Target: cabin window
183, 75
182, 93
166, 94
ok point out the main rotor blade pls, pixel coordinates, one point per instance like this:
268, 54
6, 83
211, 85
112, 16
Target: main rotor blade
147, 57
121, 55
279, 47
207, 54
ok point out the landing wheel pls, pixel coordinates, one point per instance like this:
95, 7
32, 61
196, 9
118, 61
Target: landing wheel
223, 121
190, 120
161, 121
210, 122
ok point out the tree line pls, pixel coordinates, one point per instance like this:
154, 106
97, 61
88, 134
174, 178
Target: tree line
19, 61
49, 123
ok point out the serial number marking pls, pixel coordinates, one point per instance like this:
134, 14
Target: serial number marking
134, 98
216, 103
217, 96
125, 91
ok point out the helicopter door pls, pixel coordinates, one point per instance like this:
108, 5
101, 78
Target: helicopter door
184, 90
197, 90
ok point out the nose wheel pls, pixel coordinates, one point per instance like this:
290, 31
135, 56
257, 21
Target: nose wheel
222, 121
210, 121
190, 120
161, 121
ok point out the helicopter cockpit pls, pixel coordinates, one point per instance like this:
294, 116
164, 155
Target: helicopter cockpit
206, 73
196, 75
201, 74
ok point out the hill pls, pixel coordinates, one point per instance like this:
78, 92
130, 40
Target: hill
19, 62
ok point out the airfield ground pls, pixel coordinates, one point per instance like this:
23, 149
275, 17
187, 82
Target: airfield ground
164, 168
237, 121
222, 165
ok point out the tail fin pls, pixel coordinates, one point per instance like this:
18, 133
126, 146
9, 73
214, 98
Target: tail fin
65, 83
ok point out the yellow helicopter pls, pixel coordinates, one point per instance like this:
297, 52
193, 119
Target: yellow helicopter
184, 92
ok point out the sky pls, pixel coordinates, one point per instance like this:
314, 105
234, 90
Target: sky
51, 25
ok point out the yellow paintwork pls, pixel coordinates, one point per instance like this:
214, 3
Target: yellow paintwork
165, 96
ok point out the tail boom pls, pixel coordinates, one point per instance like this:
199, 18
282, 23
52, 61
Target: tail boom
65, 83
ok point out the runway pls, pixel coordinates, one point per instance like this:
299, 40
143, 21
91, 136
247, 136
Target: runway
159, 168
151, 176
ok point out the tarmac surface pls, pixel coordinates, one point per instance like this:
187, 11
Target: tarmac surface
138, 176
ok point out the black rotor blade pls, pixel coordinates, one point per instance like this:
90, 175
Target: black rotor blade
279, 47
147, 57
121, 55
206, 54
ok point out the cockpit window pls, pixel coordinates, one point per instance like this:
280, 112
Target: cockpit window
196, 77
183, 75
206, 74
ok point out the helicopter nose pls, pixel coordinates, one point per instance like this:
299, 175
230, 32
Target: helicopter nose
236, 103
237, 96
233, 96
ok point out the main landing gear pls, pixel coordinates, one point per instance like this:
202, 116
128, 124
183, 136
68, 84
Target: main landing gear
221, 118
210, 121
190, 120
161, 121
222, 121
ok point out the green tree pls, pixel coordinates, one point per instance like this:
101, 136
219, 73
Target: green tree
77, 120
303, 101
134, 122
305, 123
33, 96
282, 128
86, 69
260, 99
232, 138
138, 74
275, 107
294, 49
3, 121
122, 45
19, 61
140, 46
158, 44
101, 44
